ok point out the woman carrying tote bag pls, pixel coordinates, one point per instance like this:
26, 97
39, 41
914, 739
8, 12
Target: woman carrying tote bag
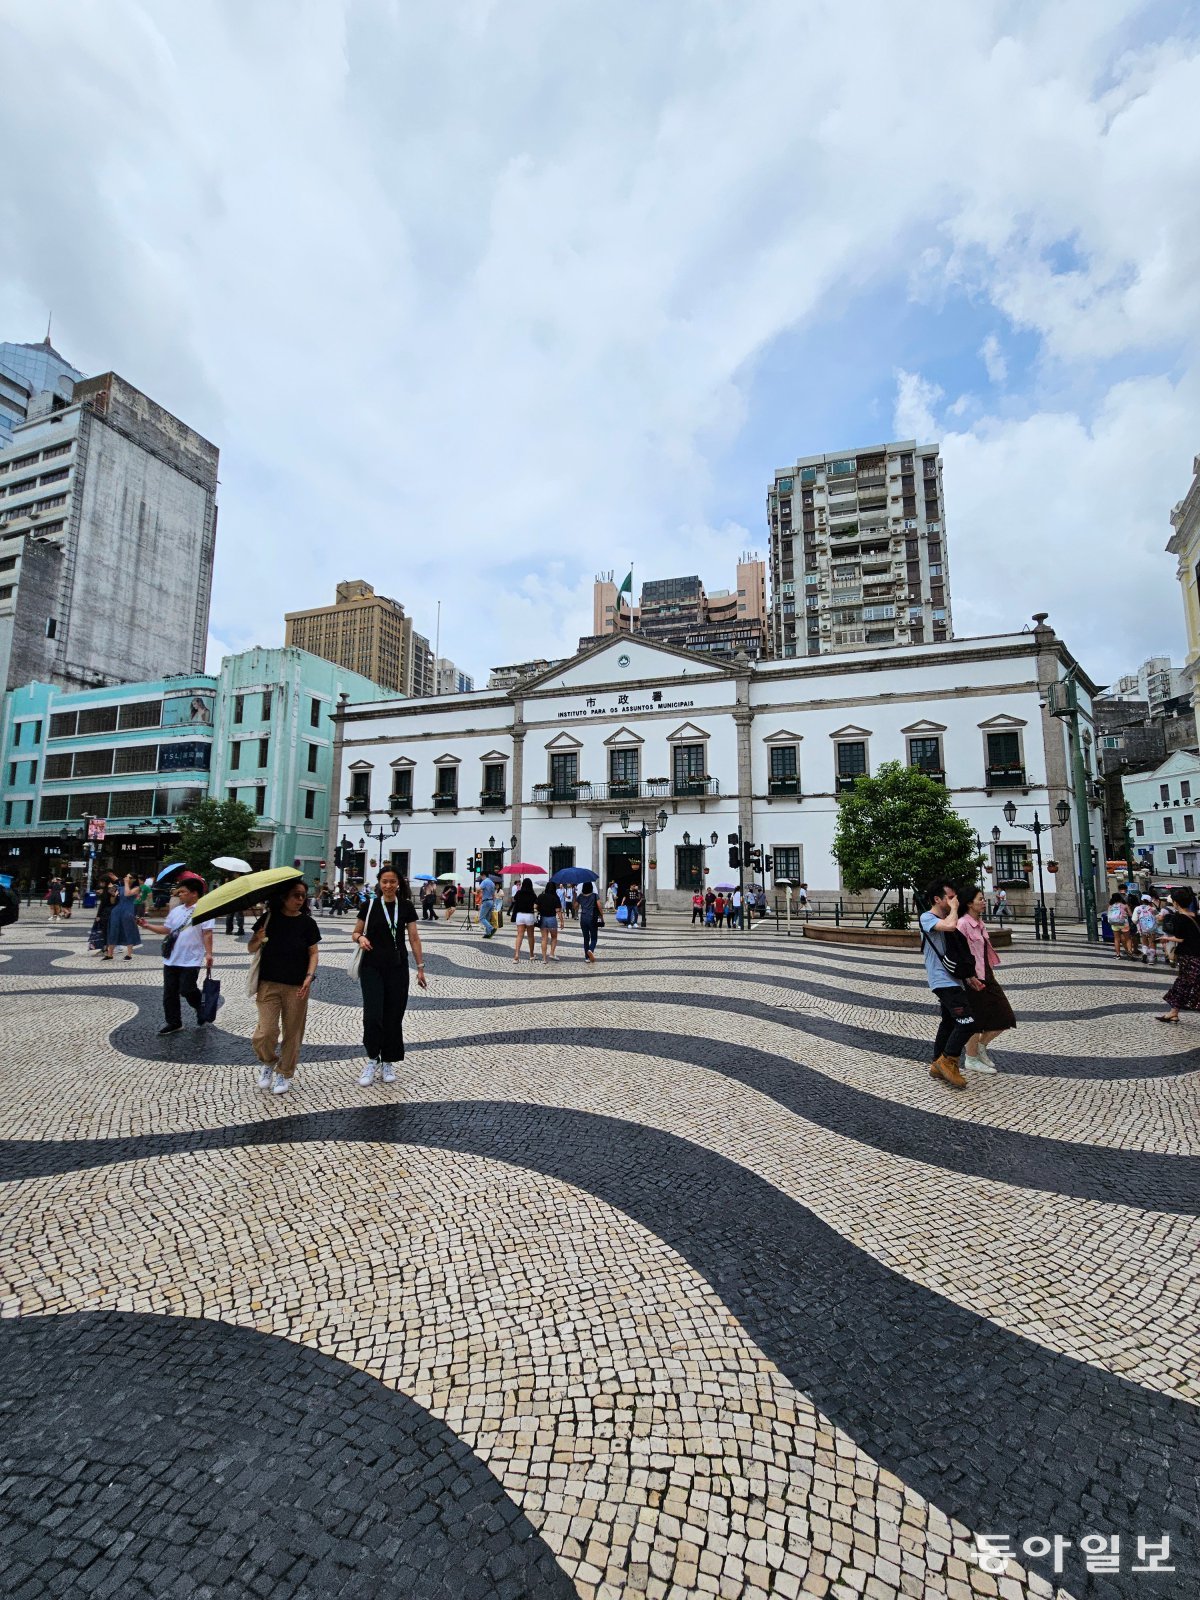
283, 962
380, 933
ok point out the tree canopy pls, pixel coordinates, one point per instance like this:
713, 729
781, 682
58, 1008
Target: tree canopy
898, 830
214, 828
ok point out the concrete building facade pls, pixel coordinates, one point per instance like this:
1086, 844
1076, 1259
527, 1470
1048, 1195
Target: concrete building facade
133, 756
1163, 806
108, 523
858, 551
450, 680
1184, 545
563, 766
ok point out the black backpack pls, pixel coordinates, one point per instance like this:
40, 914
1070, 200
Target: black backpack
954, 953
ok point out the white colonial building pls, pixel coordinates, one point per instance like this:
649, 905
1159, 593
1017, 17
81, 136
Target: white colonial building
565, 767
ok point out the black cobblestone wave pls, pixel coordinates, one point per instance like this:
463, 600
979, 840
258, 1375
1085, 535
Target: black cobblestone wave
1150, 1180
138, 1038
153, 1456
996, 1430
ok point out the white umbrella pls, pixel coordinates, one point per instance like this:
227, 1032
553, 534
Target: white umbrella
230, 864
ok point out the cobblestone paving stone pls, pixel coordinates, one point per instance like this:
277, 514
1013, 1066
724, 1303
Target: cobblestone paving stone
673, 1277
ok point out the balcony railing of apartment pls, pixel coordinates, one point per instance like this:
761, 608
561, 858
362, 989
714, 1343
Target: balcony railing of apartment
492, 800
844, 782
357, 805
400, 802
938, 774
1006, 778
784, 787
446, 802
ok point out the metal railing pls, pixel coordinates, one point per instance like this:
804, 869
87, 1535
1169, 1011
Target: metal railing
784, 786
1006, 778
400, 802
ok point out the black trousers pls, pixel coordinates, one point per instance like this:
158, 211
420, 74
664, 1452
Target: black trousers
957, 1024
179, 982
385, 1000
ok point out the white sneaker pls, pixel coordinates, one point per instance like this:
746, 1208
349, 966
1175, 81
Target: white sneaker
282, 1086
388, 1072
265, 1074
367, 1076
976, 1063
985, 1060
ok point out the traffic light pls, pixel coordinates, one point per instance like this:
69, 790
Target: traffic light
768, 863
735, 859
471, 865
754, 857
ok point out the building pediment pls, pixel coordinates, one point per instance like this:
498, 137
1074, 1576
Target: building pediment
357, 766
627, 659
851, 731
783, 736
998, 724
624, 736
564, 741
688, 733
447, 760
400, 761
919, 728
494, 755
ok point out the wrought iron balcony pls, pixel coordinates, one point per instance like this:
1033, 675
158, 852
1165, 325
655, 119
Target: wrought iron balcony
400, 802
846, 781
446, 802
357, 805
938, 774
694, 788
784, 786
1006, 778
492, 800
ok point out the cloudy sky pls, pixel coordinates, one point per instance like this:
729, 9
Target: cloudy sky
479, 298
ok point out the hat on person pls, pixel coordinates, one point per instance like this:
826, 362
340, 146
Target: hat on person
1146, 900
192, 881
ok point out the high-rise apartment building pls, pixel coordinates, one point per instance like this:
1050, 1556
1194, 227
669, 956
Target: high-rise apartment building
858, 551
679, 611
28, 371
364, 631
371, 635
108, 522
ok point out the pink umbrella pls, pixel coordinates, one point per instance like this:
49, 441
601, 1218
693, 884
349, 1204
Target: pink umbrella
525, 869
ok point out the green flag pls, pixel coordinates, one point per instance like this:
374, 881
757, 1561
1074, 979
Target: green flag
626, 589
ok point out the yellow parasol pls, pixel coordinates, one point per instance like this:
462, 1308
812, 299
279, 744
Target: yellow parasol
241, 892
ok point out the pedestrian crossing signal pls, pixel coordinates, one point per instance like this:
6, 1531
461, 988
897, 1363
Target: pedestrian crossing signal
735, 857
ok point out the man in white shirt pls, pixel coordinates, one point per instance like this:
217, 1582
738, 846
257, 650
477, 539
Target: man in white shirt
739, 917
191, 946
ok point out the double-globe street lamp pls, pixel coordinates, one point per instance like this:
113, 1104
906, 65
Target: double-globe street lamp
654, 825
712, 840
381, 834
1037, 828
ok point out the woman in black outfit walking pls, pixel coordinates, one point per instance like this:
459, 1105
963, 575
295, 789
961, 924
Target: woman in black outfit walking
383, 973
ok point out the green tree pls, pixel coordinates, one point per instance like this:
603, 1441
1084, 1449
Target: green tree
215, 828
898, 830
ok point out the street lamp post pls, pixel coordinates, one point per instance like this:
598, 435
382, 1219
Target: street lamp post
655, 826
1041, 921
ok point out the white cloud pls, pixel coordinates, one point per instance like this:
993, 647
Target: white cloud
915, 399
466, 291
993, 360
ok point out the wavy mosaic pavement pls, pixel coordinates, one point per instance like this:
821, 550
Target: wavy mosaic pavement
674, 1276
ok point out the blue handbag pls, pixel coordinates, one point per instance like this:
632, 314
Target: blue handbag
210, 999
622, 913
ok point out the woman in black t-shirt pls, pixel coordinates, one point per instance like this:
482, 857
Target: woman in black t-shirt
288, 937
383, 973
524, 909
550, 920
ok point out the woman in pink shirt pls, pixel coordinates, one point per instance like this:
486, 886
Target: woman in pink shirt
993, 1014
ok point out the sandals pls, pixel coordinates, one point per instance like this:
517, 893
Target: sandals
1166, 1019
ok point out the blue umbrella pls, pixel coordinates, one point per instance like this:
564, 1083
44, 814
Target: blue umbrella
172, 870
575, 875
422, 877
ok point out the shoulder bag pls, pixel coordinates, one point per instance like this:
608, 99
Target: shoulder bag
252, 977
356, 958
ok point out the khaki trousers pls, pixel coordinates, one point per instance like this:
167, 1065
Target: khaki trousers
280, 1006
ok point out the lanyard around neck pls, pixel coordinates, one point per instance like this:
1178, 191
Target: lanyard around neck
393, 919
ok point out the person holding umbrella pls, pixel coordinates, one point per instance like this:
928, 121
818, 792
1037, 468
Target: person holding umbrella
379, 934
288, 937
185, 946
590, 920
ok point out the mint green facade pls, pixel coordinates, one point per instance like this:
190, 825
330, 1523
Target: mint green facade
133, 756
